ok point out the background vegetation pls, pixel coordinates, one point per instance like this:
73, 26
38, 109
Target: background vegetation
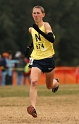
15, 18
23, 91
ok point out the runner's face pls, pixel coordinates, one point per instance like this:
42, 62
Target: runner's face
37, 15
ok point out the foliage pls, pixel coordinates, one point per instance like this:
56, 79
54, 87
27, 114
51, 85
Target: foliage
15, 19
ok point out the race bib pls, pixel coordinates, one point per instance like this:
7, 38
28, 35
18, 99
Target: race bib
31, 61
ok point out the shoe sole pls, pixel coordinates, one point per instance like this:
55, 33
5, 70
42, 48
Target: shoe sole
56, 87
31, 110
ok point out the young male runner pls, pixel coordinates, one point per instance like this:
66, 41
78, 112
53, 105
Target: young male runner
42, 59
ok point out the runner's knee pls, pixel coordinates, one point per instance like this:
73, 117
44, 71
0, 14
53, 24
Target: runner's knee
34, 82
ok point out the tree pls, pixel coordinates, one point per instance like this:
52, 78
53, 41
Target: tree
15, 19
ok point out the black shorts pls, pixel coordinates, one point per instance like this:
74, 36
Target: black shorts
45, 65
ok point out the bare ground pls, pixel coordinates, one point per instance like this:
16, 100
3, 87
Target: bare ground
51, 110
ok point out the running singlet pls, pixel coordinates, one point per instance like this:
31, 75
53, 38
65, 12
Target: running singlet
42, 47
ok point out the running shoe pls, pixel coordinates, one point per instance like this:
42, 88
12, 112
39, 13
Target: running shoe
31, 110
56, 88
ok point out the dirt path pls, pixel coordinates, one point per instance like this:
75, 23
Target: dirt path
51, 110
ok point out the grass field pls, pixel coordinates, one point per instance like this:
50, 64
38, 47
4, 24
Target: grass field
59, 108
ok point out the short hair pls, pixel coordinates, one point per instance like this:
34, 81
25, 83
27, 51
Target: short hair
40, 7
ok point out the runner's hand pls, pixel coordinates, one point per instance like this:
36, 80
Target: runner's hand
26, 51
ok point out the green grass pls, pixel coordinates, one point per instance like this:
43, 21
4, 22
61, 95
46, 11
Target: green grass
23, 91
